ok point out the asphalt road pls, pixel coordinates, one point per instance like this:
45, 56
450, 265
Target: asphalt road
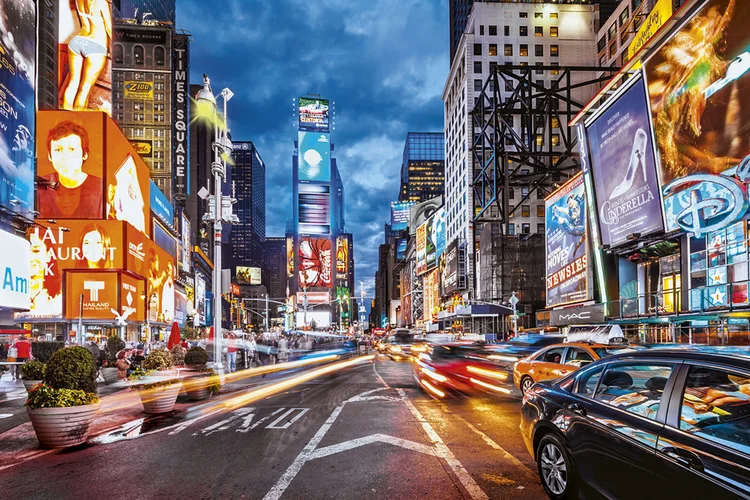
366, 432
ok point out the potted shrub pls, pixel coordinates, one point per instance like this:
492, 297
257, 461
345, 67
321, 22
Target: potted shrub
157, 386
32, 373
43, 350
63, 406
114, 345
196, 358
178, 355
203, 384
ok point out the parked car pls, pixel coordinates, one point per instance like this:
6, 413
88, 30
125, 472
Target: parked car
671, 423
557, 361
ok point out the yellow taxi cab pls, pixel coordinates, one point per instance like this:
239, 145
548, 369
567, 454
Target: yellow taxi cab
557, 361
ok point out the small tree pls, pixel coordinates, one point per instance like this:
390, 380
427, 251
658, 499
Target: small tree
71, 368
43, 351
114, 345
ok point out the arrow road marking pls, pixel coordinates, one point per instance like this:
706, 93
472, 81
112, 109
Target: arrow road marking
224, 424
275, 423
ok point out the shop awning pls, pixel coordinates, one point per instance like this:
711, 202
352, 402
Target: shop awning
483, 310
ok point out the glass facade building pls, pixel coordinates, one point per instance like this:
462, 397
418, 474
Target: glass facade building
422, 166
249, 185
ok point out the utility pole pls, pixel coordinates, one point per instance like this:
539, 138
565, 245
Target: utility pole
266, 312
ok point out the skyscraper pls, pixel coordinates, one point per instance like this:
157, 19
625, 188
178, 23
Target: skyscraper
200, 176
274, 268
422, 166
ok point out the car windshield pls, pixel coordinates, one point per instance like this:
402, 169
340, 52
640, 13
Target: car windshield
603, 352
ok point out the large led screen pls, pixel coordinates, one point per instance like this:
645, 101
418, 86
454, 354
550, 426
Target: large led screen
400, 214
567, 249
18, 44
160, 286
624, 169
421, 248
313, 114
71, 161
84, 62
314, 209
290, 257
342, 256
450, 271
699, 85
128, 183
248, 275
436, 235
315, 264
314, 157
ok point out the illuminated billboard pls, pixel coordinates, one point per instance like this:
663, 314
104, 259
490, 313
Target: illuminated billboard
71, 162
314, 209
314, 157
187, 244
450, 271
16, 270
342, 257
145, 149
85, 64
567, 248
160, 286
697, 83
623, 168
401, 245
435, 238
96, 292
313, 114
248, 275
180, 113
140, 90
400, 214
17, 79
315, 264
289, 257
422, 248
128, 181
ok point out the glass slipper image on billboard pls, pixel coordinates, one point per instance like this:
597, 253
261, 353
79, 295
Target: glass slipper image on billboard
636, 165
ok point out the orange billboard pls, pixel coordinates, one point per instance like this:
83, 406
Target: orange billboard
160, 285
70, 157
96, 292
132, 298
128, 196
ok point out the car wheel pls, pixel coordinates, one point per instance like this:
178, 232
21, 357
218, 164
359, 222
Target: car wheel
556, 468
526, 383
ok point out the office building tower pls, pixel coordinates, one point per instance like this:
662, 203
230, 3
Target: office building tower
200, 159
248, 187
422, 166
274, 274
47, 34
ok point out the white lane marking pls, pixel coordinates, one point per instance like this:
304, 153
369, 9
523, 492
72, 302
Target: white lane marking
245, 425
223, 425
6, 415
275, 423
444, 452
375, 438
177, 428
256, 424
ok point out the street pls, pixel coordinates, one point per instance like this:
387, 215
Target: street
365, 432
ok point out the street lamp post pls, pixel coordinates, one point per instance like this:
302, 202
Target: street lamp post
222, 147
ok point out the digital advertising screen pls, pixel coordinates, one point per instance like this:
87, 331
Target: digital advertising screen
698, 85
400, 214
248, 275
313, 114
401, 245
623, 168
290, 257
435, 238
17, 82
128, 181
99, 290
314, 157
342, 256
14, 292
71, 161
160, 205
200, 298
160, 286
315, 263
450, 271
421, 248
187, 244
314, 209
567, 248
85, 59
132, 305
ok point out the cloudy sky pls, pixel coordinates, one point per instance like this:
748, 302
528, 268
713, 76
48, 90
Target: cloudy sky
383, 62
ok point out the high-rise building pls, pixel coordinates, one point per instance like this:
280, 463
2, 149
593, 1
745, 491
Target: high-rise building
549, 34
47, 30
248, 184
422, 166
200, 159
274, 268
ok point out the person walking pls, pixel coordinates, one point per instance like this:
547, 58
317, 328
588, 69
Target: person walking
232, 354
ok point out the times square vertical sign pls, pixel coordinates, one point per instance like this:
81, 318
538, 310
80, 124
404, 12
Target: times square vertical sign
181, 98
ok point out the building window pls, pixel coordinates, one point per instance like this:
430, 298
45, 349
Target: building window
481, 29
601, 44
637, 3
477, 66
539, 71
555, 122
523, 31
553, 31
624, 17
159, 58
538, 15
526, 210
138, 55
511, 229
524, 50
506, 30
523, 14
553, 15
612, 33
477, 85
493, 49
554, 50
508, 50
539, 50
526, 228
511, 194
477, 49
555, 71
555, 139
612, 50
540, 228
540, 141
117, 53
538, 30
493, 30
540, 196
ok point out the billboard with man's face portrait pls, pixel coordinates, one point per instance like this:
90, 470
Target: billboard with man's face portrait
17, 81
71, 161
84, 55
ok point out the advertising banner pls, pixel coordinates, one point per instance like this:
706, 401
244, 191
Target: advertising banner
17, 82
160, 286
85, 62
342, 256
181, 99
187, 244
313, 114
659, 15
401, 245
579, 315
16, 270
623, 168
128, 181
248, 275
99, 291
422, 248
70, 156
139, 90
400, 214
314, 209
289, 257
450, 272
700, 116
160, 205
315, 263
144, 148
180, 308
567, 248
314, 157
132, 298
200, 299
140, 35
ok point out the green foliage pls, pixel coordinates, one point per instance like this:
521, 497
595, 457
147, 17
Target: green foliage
33, 370
44, 396
139, 374
178, 354
114, 345
196, 356
71, 368
158, 359
43, 351
214, 382
191, 333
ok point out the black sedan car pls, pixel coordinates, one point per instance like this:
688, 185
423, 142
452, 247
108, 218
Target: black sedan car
671, 423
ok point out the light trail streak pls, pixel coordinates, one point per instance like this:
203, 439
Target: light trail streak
435, 376
490, 386
487, 373
432, 388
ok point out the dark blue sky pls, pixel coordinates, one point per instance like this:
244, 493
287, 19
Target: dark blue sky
384, 63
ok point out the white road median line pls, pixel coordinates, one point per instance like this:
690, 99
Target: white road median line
445, 453
289, 422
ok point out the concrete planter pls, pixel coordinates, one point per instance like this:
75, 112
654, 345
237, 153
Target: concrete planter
160, 399
109, 374
62, 427
198, 394
28, 384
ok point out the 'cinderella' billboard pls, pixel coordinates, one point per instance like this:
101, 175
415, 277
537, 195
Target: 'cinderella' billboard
567, 248
624, 169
